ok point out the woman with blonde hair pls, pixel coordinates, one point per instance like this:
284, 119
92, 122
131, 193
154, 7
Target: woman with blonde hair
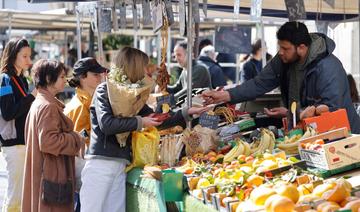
106, 158
51, 144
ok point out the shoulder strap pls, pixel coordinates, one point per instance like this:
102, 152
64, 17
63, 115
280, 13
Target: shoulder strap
18, 85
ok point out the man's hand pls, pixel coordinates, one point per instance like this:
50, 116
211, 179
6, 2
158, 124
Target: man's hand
197, 110
277, 112
213, 97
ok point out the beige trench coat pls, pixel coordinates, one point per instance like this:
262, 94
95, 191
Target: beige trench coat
49, 136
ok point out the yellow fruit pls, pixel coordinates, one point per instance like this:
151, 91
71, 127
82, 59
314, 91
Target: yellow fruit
269, 164
347, 200
305, 189
327, 207
165, 108
281, 155
307, 198
268, 156
320, 189
203, 183
353, 205
246, 169
260, 194
278, 203
288, 190
255, 180
193, 181
338, 194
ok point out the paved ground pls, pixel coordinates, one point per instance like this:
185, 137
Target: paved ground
3, 183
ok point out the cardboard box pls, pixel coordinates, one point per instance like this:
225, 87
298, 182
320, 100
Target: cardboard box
336, 154
329, 121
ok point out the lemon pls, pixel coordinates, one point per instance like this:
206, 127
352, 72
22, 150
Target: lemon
203, 183
288, 190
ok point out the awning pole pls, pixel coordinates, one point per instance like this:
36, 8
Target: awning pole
78, 33
189, 56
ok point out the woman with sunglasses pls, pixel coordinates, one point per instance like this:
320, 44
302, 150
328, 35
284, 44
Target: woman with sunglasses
15, 102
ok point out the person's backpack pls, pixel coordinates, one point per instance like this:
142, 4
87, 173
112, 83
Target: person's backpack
7, 128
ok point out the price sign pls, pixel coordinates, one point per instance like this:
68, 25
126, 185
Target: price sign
295, 9
209, 121
168, 99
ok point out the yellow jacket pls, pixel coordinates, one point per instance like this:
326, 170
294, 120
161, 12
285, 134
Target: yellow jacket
78, 110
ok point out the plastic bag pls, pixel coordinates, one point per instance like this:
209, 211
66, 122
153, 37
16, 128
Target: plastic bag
145, 148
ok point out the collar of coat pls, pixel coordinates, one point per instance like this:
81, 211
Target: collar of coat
83, 96
49, 97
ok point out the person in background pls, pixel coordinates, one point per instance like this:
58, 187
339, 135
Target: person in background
305, 69
229, 72
87, 75
103, 177
354, 93
208, 58
15, 102
51, 142
200, 75
253, 66
203, 43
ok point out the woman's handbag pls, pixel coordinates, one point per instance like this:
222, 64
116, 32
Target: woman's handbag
54, 193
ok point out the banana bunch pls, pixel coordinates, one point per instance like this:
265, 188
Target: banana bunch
241, 148
266, 142
290, 146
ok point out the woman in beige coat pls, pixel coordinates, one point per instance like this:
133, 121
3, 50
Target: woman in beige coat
49, 138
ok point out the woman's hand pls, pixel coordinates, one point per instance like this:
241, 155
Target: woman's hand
197, 110
149, 121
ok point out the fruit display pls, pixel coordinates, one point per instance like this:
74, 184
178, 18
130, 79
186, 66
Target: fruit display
316, 145
266, 142
291, 145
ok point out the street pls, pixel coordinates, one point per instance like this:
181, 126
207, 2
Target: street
2, 179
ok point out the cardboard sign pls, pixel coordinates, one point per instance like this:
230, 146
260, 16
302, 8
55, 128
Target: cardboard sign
157, 13
169, 99
256, 9
105, 24
135, 16
169, 12
295, 9
196, 13
146, 12
114, 19
182, 17
209, 121
122, 14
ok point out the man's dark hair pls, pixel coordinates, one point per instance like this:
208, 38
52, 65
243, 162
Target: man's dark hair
203, 43
294, 32
182, 44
